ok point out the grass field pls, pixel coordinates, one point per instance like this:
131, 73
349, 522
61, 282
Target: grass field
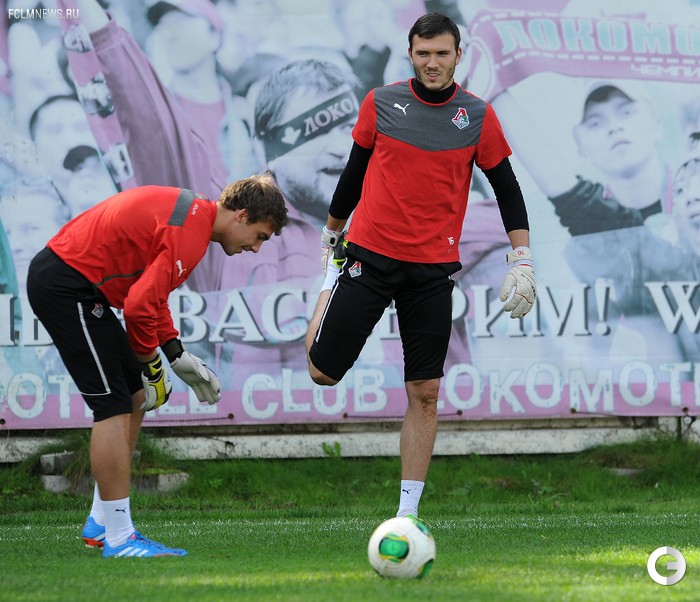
507, 529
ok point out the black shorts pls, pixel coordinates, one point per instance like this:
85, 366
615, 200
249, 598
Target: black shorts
422, 294
90, 339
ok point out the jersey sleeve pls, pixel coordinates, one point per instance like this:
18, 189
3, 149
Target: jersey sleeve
493, 146
147, 315
365, 130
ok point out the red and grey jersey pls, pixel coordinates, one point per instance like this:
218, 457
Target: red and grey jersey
415, 190
136, 247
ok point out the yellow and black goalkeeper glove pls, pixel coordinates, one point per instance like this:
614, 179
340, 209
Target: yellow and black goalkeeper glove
156, 384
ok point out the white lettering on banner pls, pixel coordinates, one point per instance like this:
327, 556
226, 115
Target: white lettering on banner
533, 386
538, 391
451, 382
681, 293
252, 383
284, 314
288, 403
18, 388
6, 317
576, 35
277, 305
648, 382
246, 329
185, 309
670, 72
569, 311
502, 391
675, 370
64, 382
328, 115
592, 393
369, 396
340, 393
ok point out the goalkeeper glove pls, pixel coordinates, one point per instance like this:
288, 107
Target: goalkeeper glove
519, 289
193, 371
156, 384
329, 240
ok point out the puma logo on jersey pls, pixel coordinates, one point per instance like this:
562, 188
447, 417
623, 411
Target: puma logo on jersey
180, 269
403, 109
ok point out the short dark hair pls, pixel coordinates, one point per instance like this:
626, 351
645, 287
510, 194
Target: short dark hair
434, 24
49, 101
261, 197
309, 75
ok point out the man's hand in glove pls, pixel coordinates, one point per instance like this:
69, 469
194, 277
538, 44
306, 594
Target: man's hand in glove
193, 371
519, 289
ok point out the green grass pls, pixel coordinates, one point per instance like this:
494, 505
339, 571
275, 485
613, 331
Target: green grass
515, 528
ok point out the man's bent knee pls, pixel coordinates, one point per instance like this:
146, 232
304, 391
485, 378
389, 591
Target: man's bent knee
319, 377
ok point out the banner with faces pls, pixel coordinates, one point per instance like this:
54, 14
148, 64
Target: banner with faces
600, 105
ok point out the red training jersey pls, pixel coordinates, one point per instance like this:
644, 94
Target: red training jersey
415, 190
136, 247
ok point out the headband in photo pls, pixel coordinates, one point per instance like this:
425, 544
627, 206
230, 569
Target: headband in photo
317, 121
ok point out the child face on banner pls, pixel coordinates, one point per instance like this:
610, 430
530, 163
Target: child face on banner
60, 127
618, 135
308, 173
185, 52
686, 196
30, 218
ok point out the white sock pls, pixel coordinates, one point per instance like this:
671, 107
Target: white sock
97, 510
410, 497
118, 525
332, 273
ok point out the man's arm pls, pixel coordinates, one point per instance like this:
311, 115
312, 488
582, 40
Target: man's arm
349, 189
519, 290
510, 200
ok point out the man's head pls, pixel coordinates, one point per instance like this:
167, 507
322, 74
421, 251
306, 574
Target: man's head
686, 199
433, 47
304, 115
90, 182
618, 130
187, 31
31, 216
249, 212
58, 125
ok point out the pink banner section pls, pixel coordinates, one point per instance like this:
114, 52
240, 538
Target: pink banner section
95, 95
506, 47
598, 101
261, 402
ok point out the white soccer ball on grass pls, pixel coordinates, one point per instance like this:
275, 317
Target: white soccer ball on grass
402, 547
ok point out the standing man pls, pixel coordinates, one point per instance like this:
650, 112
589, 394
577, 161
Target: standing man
130, 252
407, 182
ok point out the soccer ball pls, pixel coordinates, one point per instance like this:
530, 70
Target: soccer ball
401, 547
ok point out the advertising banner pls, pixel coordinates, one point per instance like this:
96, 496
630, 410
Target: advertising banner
599, 102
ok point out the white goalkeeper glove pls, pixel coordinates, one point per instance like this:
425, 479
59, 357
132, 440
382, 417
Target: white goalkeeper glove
156, 384
519, 289
193, 371
329, 239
